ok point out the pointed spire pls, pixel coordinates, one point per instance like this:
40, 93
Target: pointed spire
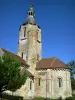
30, 19
31, 10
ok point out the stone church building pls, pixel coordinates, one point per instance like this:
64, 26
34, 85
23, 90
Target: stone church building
48, 77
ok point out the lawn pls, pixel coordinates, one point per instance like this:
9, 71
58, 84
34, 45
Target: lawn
8, 97
70, 98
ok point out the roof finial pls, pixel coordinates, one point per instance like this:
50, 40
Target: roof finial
31, 10
31, 7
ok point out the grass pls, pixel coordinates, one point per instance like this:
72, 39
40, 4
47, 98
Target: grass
9, 97
40, 98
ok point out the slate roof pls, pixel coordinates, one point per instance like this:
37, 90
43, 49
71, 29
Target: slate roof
50, 63
30, 20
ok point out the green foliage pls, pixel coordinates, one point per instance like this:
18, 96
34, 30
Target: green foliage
71, 65
74, 96
69, 98
73, 83
11, 97
41, 98
10, 77
38, 98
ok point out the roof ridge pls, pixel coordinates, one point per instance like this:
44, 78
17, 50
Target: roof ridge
49, 58
53, 61
9, 52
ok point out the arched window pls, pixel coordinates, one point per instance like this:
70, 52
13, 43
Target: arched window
31, 13
24, 31
39, 81
30, 85
22, 54
59, 82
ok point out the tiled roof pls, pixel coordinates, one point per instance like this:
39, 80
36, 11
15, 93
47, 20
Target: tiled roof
50, 63
16, 56
20, 59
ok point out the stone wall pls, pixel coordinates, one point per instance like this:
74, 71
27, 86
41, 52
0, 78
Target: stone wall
49, 86
29, 45
25, 90
65, 89
23, 42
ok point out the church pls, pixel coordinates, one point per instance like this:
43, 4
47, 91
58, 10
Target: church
47, 77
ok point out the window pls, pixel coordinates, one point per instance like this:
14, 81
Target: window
39, 81
60, 82
24, 31
30, 85
31, 13
22, 55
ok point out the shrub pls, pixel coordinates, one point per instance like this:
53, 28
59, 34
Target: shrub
74, 96
69, 98
47, 99
11, 97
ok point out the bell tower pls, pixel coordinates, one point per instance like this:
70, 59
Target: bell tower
29, 45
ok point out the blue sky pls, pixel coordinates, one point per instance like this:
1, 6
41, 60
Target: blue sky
56, 19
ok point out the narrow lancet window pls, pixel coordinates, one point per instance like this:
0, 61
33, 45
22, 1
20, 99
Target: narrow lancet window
31, 13
24, 31
22, 55
60, 82
39, 81
30, 85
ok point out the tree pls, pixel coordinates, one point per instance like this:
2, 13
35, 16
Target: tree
10, 76
71, 65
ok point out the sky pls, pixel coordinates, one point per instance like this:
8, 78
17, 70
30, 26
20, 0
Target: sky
56, 19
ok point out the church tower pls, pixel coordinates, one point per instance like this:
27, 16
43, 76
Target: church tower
29, 45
